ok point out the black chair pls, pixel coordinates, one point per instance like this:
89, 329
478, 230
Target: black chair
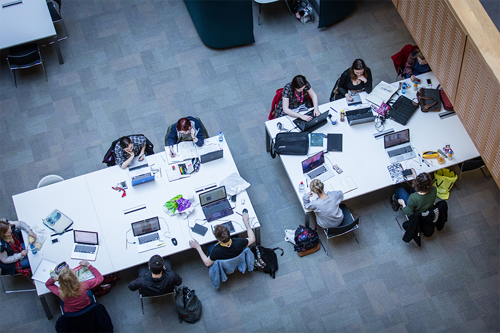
24, 56
205, 132
109, 157
94, 318
471, 165
12, 277
348, 224
142, 296
56, 17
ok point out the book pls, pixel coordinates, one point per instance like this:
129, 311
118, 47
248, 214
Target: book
334, 142
316, 140
343, 183
184, 150
381, 93
179, 171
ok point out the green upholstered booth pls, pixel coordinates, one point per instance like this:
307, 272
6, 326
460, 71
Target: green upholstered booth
222, 23
332, 11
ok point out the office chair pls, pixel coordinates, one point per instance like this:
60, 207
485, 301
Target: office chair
24, 56
109, 157
93, 318
220, 268
260, 2
348, 224
399, 59
50, 179
142, 297
12, 277
56, 17
471, 165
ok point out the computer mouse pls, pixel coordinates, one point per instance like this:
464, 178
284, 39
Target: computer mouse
174, 241
245, 210
279, 125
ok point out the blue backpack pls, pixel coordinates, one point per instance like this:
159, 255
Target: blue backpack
305, 239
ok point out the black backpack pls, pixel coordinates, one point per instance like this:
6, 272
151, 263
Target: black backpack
290, 143
305, 239
266, 259
188, 305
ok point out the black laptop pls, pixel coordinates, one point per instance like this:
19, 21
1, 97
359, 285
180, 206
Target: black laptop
313, 124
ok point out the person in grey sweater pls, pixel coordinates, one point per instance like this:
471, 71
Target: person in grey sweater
326, 206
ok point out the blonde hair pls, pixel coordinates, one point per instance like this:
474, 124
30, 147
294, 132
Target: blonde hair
317, 186
69, 284
420, 55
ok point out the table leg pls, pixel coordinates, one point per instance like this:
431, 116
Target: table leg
311, 217
268, 141
58, 50
46, 307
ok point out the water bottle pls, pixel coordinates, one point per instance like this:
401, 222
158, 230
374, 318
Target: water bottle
221, 137
302, 187
33, 248
403, 88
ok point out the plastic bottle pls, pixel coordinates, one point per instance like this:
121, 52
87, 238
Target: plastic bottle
221, 137
33, 248
302, 187
342, 115
403, 88
415, 85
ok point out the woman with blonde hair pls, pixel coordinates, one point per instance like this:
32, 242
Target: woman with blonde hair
74, 295
325, 205
13, 253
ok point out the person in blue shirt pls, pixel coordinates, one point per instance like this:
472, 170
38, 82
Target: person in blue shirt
186, 129
415, 65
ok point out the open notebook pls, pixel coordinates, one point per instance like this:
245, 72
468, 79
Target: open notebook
343, 183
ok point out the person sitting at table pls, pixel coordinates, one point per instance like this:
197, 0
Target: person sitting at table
13, 253
226, 247
129, 147
294, 95
415, 65
156, 278
355, 79
325, 206
186, 129
74, 295
421, 198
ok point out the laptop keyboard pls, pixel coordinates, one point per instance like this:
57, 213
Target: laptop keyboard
85, 249
399, 151
217, 207
141, 176
149, 238
316, 172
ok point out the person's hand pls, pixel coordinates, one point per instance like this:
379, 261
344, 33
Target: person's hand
194, 244
402, 202
245, 217
316, 113
24, 253
192, 133
172, 154
349, 97
141, 158
311, 194
305, 117
84, 263
414, 173
132, 155
55, 278
412, 78
362, 78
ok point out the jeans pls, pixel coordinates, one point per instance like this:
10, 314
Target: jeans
401, 193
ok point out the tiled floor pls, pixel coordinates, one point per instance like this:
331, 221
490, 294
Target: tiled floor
137, 66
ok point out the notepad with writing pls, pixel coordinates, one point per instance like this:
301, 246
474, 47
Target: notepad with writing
342, 183
334, 142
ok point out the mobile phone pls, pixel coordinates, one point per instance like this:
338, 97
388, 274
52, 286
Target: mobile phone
233, 198
123, 185
407, 172
429, 82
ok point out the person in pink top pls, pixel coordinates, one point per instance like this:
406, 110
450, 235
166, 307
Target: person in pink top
72, 292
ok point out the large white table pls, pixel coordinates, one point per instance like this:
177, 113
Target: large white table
93, 205
26, 22
363, 157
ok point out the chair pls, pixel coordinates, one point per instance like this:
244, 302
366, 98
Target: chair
142, 297
15, 276
348, 224
274, 105
94, 318
24, 56
109, 157
399, 59
205, 132
471, 165
56, 16
50, 179
260, 2
219, 269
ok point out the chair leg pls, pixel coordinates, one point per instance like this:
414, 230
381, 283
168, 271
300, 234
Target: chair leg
45, 72
14, 76
288, 6
356, 238
142, 306
260, 12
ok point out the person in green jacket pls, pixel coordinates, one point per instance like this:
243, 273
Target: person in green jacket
420, 200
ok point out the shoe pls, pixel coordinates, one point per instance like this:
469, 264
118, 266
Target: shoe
394, 204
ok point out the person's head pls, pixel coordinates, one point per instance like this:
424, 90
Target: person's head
317, 186
5, 231
69, 286
183, 126
299, 83
423, 183
420, 58
156, 264
358, 68
221, 233
126, 144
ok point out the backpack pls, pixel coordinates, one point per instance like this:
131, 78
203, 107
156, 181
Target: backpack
266, 259
107, 283
305, 239
188, 305
290, 143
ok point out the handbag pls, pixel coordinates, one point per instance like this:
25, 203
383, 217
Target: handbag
290, 143
428, 100
446, 101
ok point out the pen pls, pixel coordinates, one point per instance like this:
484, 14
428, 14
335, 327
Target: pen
307, 182
160, 174
162, 157
333, 109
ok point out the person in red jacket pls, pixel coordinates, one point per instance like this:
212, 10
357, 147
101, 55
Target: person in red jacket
73, 293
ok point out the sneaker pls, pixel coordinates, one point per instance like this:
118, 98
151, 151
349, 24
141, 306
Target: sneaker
394, 203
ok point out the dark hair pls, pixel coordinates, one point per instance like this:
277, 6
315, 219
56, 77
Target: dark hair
156, 264
183, 124
4, 227
298, 81
357, 65
423, 183
221, 232
125, 141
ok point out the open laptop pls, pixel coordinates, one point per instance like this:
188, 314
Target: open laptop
140, 174
315, 167
86, 245
398, 147
146, 234
214, 204
313, 124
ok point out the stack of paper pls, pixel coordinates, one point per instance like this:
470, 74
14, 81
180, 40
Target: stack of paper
381, 93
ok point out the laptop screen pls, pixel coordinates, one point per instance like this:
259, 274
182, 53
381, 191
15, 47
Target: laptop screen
394, 139
213, 195
313, 162
145, 226
85, 237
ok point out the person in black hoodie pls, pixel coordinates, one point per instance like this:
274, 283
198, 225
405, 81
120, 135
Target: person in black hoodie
156, 279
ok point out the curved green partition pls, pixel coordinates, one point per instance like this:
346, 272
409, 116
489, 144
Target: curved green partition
332, 11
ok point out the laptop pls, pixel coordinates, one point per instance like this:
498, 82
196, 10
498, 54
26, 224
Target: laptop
214, 204
86, 245
315, 167
313, 124
398, 146
212, 156
140, 174
146, 234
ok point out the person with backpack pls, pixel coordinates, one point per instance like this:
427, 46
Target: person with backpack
325, 206
157, 278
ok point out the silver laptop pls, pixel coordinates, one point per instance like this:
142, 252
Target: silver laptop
146, 234
315, 167
86, 245
398, 147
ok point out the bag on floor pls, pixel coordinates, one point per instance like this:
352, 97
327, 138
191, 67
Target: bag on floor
266, 259
188, 305
303, 11
107, 283
290, 143
305, 239
444, 180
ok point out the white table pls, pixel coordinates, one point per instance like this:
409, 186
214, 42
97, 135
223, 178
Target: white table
26, 22
363, 157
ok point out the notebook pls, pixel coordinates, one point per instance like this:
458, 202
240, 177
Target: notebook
315, 167
316, 140
184, 150
381, 93
398, 147
313, 124
146, 234
214, 204
334, 142
356, 99
86, 245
